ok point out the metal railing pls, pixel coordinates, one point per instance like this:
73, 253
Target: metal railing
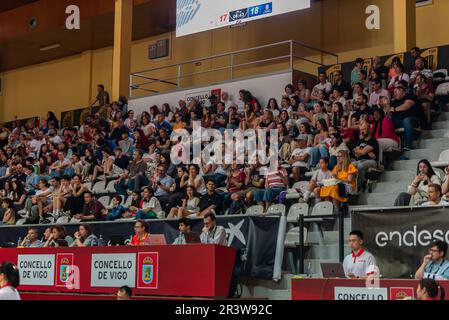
175, 76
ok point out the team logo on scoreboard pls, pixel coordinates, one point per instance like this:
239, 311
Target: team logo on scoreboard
238, 14
148, 264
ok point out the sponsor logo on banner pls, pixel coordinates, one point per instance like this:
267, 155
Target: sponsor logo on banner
431, 56
358, 293
398, 293
367, 65
64, 269
202, 97
148, 267
389, 62
113, 270
36, 269
330, 72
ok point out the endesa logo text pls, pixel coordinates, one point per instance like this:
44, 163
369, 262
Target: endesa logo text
411, 238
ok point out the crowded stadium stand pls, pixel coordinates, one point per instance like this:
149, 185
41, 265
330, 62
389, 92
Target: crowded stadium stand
360, 140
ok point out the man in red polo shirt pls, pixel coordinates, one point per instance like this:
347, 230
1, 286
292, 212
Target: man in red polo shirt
360, 263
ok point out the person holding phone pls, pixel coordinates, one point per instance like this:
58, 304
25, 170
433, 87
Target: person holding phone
434, 265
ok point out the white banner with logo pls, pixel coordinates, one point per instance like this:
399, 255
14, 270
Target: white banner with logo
113, 270
36, 269
355, 293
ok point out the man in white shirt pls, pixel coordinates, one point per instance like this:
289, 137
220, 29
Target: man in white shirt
360, 263
61, 166
299, 159
227, 101
37, 142
434, 196
213, 233
322, 85
420, 65
377, 93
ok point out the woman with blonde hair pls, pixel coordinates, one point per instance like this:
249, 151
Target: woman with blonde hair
346, 173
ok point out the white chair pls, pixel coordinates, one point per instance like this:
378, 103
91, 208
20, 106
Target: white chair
255, 210
323, 208
293, 193
440, 173
128, 202
276, 210
110, 187
292, 237
443, 160
88, 186
99, 187
104, 200
296, 210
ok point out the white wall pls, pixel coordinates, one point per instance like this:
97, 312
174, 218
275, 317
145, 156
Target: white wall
263, 88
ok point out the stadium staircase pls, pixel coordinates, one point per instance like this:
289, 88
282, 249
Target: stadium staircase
322, 244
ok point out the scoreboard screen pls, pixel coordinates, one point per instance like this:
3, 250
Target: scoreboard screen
194, 16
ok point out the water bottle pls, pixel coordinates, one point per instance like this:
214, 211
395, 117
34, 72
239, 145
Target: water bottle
101, 240
309, 270
19, 241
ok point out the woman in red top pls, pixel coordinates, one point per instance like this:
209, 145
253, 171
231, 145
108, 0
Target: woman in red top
384, 131
236, 188
142, 236
428, 290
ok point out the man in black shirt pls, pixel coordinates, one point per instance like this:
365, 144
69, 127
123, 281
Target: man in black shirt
405, 112
210, 201
366, 153
362, 109
121, 160
342, 85
380, 69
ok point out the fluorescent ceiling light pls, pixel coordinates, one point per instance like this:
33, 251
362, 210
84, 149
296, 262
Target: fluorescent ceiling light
50, 47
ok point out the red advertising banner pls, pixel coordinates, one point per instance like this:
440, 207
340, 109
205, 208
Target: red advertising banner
147, 270
64, 273
356, 289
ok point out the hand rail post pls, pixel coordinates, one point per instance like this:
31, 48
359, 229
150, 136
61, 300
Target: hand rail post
341, 232
179, 76
301, 244
232, 66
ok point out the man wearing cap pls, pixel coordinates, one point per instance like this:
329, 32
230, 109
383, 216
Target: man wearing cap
300, 157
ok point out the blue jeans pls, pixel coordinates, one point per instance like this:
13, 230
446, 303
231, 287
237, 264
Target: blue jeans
267, 195
332, 162
145, 215
316, 153
133, 184
408, 124
59, 173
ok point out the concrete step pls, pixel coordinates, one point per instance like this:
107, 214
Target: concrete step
440, 125
409, 165
393, 187
378, 199
442, 143
430, 153
444, 116
398, 175
432, 134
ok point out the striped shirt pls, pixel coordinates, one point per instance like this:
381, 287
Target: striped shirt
275, 178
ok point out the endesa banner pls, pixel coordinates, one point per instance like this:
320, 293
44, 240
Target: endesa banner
399, 238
